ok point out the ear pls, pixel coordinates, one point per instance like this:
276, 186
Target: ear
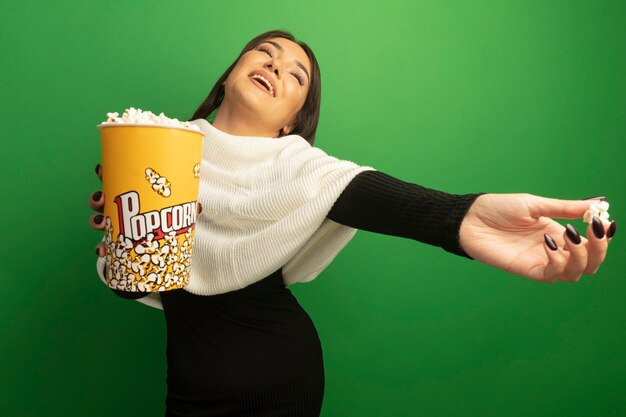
287, 129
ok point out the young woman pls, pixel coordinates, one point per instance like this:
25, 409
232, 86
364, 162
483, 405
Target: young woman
276, 210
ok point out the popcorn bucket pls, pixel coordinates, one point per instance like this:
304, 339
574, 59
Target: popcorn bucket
151, 177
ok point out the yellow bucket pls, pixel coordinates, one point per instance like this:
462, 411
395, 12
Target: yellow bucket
151, 178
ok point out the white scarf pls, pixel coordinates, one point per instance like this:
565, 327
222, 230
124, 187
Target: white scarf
264, 206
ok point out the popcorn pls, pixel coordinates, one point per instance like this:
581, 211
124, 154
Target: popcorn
159, 183
150, 265
196, 171
138, 116
600, 209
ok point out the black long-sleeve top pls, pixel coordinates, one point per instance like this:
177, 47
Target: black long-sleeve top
380, 203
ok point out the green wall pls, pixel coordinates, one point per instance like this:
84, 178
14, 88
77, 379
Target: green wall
492, 96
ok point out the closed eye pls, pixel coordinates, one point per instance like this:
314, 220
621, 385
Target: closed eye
266, 50
298, 77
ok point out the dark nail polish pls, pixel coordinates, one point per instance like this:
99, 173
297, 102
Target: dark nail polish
96, 196
611, 231
98, 219
572, 234
598, 228
549, 241
595, 198
98, 166
98, 251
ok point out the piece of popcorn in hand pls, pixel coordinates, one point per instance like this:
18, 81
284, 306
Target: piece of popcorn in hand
600, 209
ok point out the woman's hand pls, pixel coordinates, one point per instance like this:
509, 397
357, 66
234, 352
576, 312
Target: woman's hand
96, 202
507, 231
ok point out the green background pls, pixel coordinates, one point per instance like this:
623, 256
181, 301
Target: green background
474, 96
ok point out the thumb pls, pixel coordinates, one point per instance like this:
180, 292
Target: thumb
563, 209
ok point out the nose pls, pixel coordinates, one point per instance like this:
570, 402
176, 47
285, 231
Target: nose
273, 67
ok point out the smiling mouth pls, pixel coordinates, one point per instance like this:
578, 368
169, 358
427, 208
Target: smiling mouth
262, 83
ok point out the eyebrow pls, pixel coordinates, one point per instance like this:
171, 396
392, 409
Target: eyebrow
298, 63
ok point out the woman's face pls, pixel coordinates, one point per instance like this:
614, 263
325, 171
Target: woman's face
270, 83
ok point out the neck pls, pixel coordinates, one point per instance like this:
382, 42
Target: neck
240, 123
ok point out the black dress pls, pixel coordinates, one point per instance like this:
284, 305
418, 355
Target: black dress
255, 351
250, 352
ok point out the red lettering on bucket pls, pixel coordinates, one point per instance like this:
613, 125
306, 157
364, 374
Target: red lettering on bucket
136, 226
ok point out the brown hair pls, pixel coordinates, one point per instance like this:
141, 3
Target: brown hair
308, 116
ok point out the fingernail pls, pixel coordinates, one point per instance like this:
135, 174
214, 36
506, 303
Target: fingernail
611, 231
595, 198
572, 234
597, 227
199, 208
98, 169
98, 219
549, 241
98, 251
96, 196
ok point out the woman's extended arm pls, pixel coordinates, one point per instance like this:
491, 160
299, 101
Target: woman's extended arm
505, 231
377, 202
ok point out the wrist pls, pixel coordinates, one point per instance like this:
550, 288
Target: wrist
468, 224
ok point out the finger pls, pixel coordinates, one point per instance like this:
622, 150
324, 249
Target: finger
612, 229
99, 171
555, 208
577, 261
97, 221
101, 249
198, 209
96, 201
598, 245
556, 260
